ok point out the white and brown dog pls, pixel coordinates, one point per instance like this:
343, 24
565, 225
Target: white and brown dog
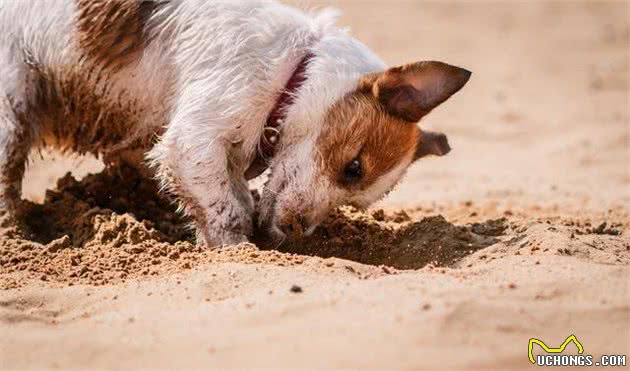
209, 94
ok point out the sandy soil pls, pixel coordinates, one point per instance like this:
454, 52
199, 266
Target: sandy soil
520, 232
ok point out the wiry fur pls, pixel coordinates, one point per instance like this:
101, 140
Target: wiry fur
188, 85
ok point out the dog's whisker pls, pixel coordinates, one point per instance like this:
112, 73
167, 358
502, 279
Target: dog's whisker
280, 241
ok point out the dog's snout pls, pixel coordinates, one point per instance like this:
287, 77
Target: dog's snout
294, 225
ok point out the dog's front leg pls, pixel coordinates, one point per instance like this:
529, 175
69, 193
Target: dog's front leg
14, 148
192, 163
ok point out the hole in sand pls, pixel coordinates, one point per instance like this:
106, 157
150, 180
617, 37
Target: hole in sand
395, 240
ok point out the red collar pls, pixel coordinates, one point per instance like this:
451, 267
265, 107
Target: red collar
272, 130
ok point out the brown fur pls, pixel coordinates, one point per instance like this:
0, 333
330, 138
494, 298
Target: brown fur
113, 32
72, 110
358, 127
376, 123
431, 143
413, 90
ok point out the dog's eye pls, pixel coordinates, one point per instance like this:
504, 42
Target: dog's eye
353, 170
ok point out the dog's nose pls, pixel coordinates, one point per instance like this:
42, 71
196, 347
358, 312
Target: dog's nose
294, 226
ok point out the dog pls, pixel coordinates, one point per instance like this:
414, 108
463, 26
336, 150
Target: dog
205, 96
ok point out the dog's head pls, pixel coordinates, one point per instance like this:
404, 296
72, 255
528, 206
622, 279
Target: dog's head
363, 146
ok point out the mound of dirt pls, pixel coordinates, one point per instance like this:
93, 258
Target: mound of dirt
96, 205
114, 226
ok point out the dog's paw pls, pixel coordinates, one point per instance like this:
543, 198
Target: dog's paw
211, 238
228, 224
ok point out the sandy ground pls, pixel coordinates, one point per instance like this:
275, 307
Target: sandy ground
500, 241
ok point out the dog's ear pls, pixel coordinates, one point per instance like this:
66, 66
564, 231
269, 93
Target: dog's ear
413, 90
431, 143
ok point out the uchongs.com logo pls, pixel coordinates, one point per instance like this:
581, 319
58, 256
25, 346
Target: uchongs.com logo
554, 356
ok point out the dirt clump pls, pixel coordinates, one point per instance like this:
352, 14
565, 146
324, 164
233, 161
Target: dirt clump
602, 229
109, 226
83, 209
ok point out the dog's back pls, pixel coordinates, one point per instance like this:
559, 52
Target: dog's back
92, 73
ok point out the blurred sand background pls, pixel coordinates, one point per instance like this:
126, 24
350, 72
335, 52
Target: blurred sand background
540, 136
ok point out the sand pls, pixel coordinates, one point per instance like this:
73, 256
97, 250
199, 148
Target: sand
520, 232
